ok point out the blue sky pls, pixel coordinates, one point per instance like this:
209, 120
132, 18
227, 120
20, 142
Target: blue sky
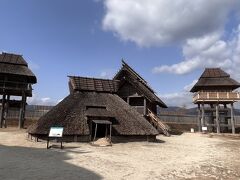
168, 43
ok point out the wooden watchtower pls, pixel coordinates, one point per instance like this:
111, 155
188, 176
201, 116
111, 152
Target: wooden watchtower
16, 79
214, 92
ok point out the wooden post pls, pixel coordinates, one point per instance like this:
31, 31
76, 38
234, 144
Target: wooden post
199, 119
203, 117
232, 119
2, 110
145, 107
95, 134
106, 131
217, 118
110, 132
91, 124
211, 128
128, 100
6, 111
22, 111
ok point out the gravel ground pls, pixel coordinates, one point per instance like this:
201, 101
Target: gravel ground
187, 156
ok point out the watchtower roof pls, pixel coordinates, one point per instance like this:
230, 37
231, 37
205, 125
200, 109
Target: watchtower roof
15, 65
215, 78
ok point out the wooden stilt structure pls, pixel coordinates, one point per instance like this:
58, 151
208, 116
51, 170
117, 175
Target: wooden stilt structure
16, 79
213, 92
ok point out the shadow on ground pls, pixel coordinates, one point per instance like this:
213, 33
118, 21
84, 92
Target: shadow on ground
31, 163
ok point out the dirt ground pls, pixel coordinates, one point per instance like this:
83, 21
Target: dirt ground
187, 156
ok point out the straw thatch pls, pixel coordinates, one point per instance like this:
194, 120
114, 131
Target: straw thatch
72, 113
215, 78
14, 65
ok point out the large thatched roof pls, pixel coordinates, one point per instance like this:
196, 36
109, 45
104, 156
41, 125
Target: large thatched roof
127, 74
72, 113
15, 65
215, 78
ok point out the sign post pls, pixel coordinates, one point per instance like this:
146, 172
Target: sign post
55, 133
204, 129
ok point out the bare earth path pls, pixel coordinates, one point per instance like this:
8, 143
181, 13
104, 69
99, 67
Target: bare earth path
188, 156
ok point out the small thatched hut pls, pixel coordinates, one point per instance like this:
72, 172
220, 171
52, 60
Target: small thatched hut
90, 100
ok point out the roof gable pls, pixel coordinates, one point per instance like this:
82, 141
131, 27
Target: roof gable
126, 73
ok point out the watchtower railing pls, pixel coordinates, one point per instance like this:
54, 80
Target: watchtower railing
216, 96
11, 85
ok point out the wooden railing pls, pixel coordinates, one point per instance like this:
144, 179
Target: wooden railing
216, 96
155, 120
11, 85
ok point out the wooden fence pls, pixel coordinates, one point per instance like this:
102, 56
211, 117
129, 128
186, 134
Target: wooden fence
187, 119
33, 112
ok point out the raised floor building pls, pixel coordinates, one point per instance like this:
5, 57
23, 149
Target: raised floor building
16, 79
215, 95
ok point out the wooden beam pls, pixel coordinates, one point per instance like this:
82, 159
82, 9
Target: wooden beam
217, 118
232, 119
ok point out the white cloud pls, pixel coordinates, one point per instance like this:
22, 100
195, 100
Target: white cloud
208, 51
181, 99
36, 100
33, 66
189, 86
159, 22
107, 73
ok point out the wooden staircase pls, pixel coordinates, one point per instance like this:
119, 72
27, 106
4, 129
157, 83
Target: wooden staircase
158, 124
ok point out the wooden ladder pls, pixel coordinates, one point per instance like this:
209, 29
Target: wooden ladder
156, 121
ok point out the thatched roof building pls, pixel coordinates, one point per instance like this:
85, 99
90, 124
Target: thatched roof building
93, 99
